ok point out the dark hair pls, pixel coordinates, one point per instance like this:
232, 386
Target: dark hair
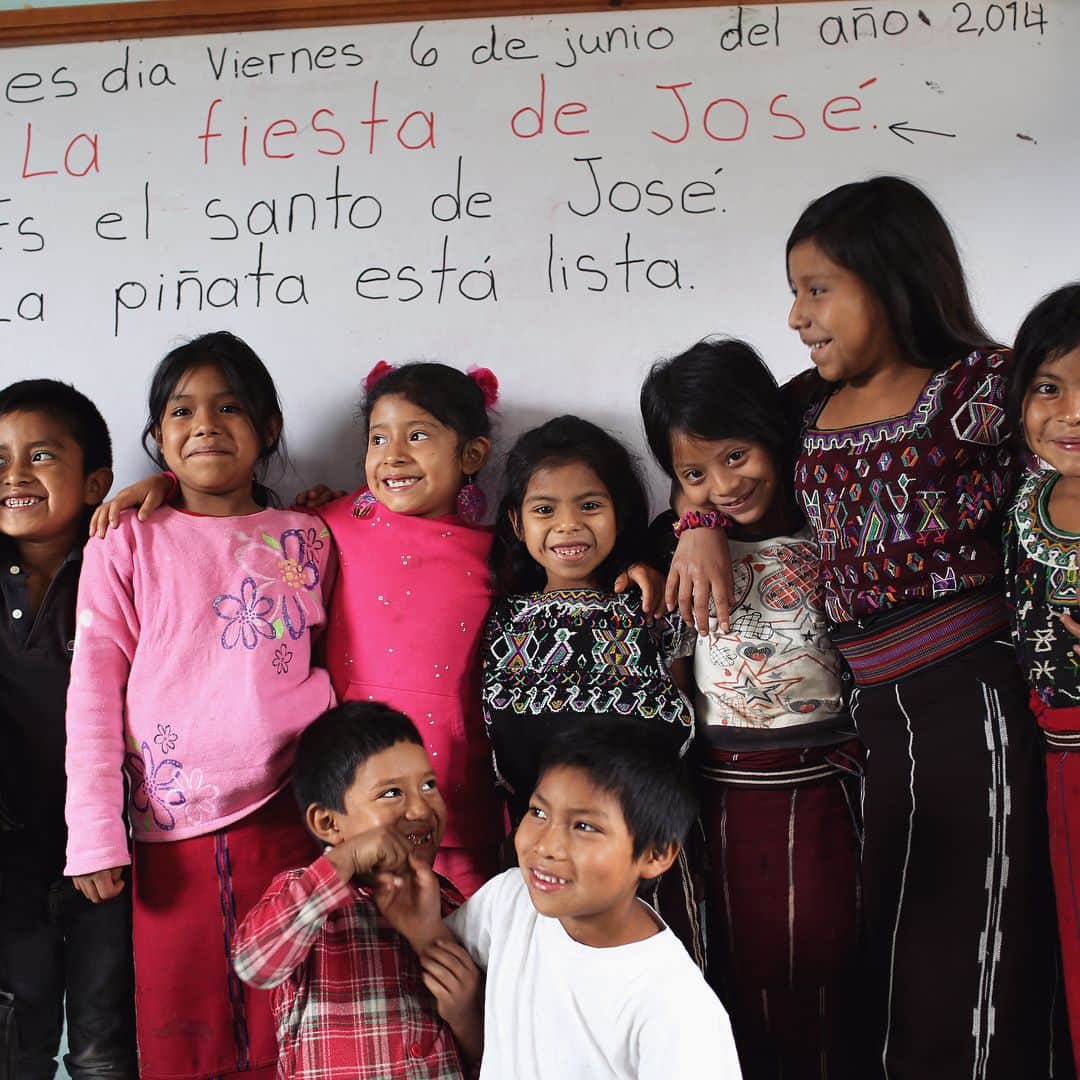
889, 233
249, 381
633, 760
452, 397
564, 441
337, 743
1049, 330
718, 389
66, 405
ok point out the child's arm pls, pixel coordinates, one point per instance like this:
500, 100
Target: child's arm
457, 985
147, 494
105, 643
277, 934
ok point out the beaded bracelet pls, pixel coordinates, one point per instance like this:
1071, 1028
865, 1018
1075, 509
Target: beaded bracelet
701, 519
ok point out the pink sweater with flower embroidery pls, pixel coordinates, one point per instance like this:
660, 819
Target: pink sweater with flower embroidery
192, 674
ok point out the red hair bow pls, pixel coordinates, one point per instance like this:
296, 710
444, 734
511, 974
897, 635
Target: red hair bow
378, 372
486, 379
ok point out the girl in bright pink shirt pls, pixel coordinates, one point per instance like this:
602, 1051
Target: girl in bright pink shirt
414, 591
192, 678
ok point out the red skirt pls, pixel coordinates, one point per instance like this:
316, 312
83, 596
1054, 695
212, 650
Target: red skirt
194, 1018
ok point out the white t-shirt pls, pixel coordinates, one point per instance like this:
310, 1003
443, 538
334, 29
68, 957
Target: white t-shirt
559, 1010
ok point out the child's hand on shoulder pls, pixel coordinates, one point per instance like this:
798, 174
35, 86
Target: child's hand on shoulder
651, 583
1073, 627
147, 494
369, 853
314, 497
457, 984
701, 572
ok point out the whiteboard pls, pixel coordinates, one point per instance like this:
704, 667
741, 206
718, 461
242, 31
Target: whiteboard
561, 198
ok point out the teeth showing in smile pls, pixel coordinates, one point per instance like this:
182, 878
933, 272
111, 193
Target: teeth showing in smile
549, 879
398, 484
21, 502
571, 551
419, 839
818, 345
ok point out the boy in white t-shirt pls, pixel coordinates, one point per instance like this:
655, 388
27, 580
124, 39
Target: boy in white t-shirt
584, 980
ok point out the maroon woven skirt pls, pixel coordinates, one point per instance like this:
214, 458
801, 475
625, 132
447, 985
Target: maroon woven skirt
782, 831
194, 1018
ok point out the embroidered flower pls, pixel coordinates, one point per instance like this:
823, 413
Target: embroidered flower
200, 800
286, 567
166, 738
282, 659
154, 788
245, 615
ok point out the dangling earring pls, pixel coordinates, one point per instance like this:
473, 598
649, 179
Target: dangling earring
364, 504
471, 501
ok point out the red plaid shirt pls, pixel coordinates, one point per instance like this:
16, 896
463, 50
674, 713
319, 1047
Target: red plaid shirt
347, 992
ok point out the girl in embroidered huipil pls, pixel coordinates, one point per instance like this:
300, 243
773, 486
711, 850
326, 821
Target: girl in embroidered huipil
1042, 579
560, 643
779, 762
192, 675
414, 587
904, 477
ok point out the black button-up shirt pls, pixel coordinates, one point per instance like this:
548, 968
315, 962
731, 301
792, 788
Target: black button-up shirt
35, 665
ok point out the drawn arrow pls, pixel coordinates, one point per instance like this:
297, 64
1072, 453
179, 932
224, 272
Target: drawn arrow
902, 126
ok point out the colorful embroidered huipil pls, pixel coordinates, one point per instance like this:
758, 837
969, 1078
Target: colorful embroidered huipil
907, 513
1042, 581
555, 656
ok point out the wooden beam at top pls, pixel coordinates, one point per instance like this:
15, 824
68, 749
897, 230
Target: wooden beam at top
160, 18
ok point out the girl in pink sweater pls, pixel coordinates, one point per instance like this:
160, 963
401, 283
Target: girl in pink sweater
191, 680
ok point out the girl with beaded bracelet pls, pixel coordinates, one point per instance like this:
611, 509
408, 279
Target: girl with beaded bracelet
778, 758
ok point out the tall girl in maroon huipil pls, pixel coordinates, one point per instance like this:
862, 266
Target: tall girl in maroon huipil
904, 476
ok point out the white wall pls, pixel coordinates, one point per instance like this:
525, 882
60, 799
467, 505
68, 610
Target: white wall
1006, 181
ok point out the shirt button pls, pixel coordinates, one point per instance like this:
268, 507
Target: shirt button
416, 1050
14, 570
17, 613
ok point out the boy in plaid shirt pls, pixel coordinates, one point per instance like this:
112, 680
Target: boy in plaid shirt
350, 996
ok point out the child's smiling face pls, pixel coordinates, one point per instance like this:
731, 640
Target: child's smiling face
44, 489
415, 464
736, 476
1052, 413
577, 857
567, 523
393, 789
837, 315
209, 442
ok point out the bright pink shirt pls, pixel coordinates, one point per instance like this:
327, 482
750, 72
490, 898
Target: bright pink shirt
406, 619
192, 673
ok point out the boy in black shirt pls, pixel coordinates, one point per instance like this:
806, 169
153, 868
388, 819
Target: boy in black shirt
55, 467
